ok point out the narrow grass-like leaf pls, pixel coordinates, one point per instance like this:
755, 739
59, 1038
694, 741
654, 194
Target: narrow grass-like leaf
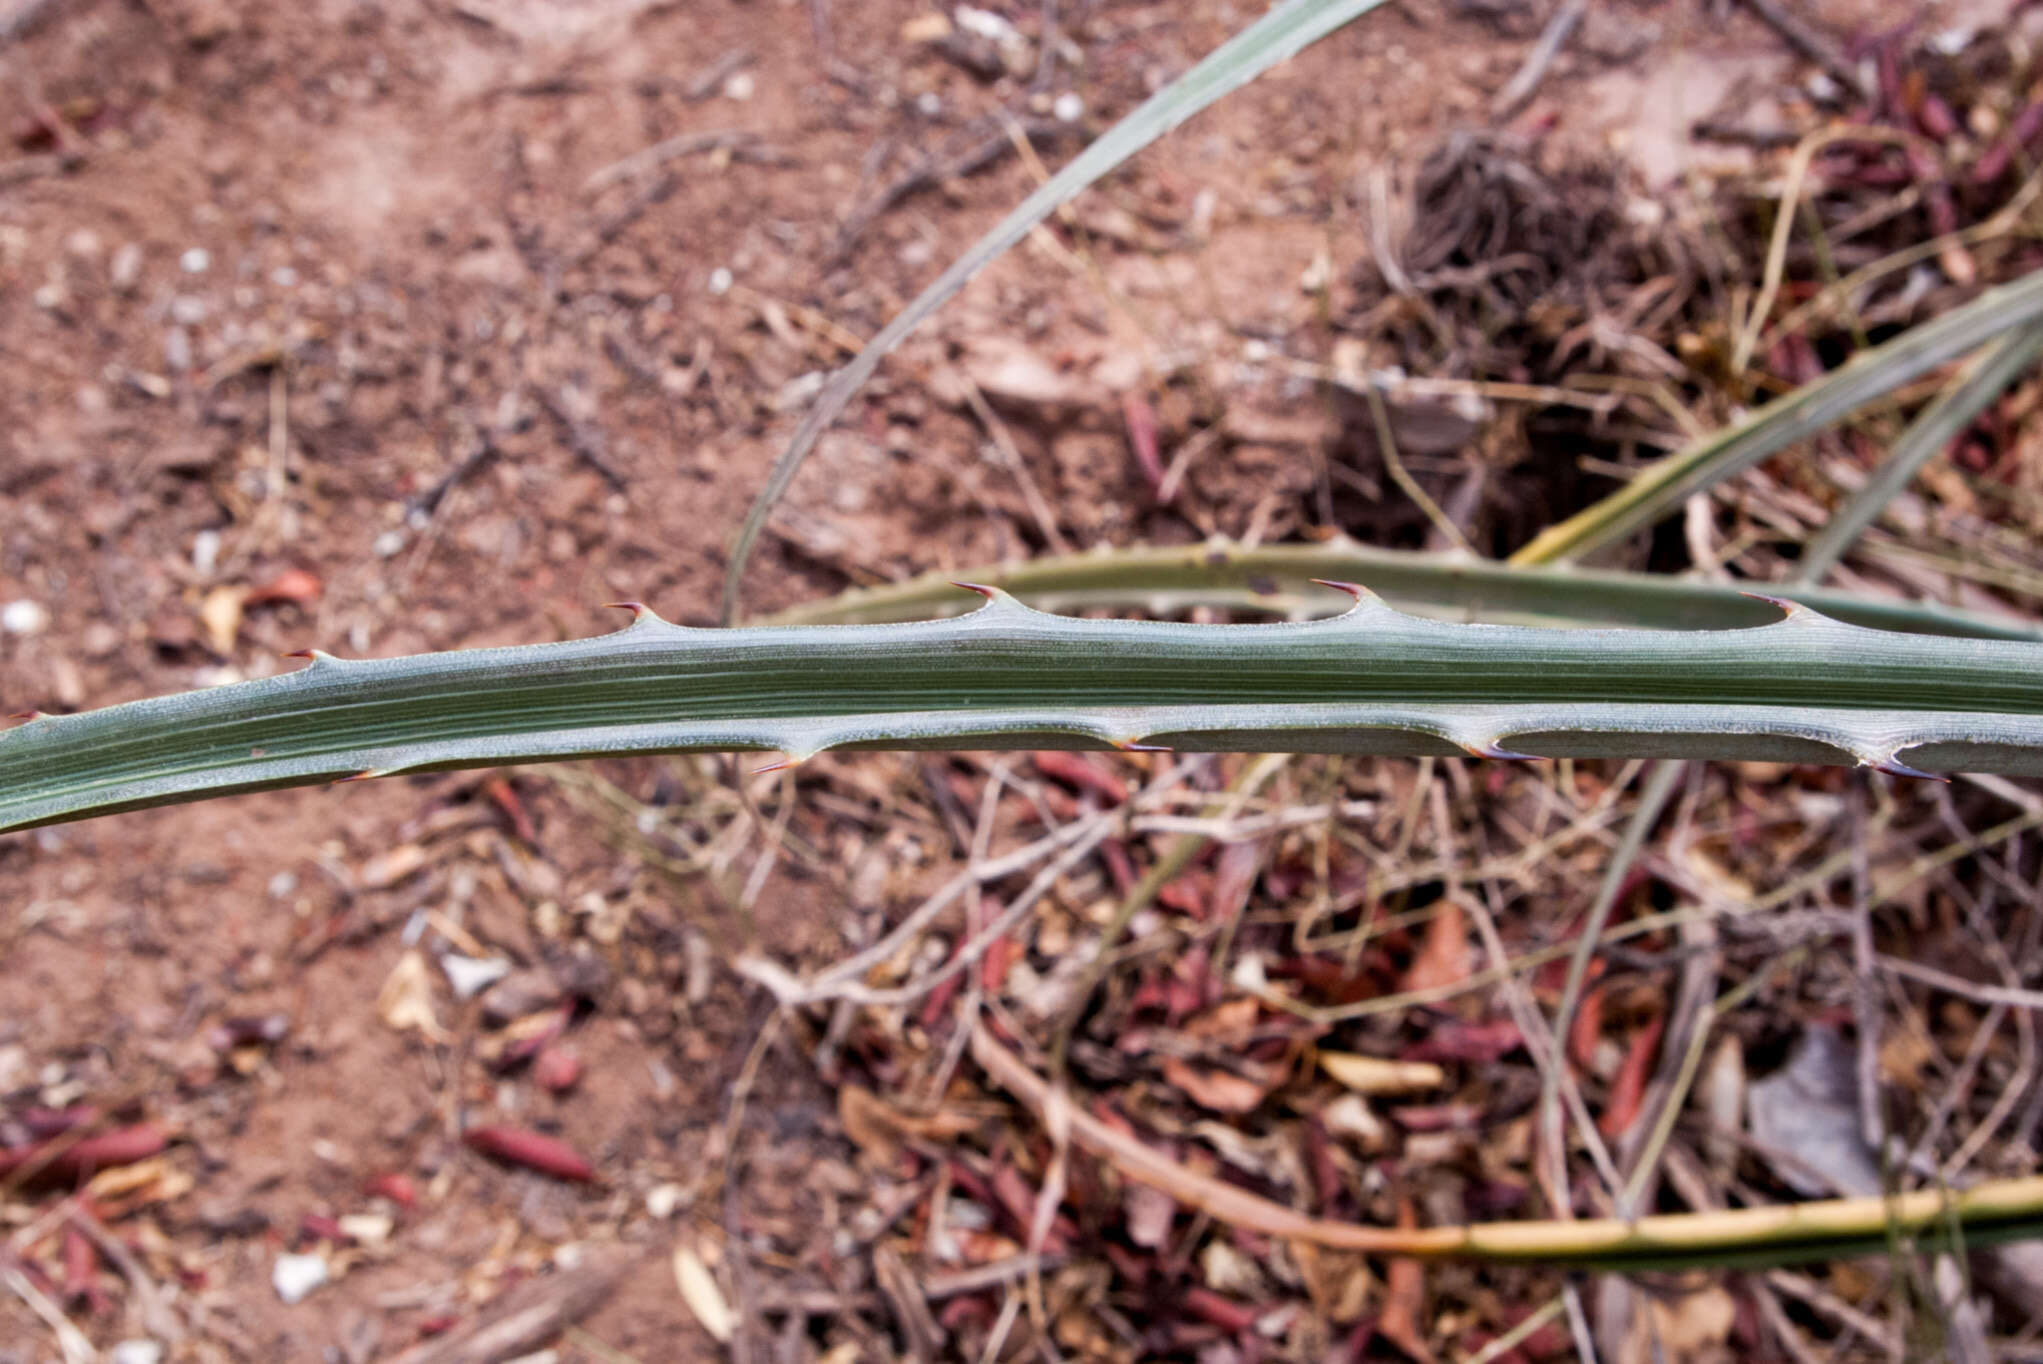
1933, 429
1166, 581
1287, 29
1661, 486
1805, 689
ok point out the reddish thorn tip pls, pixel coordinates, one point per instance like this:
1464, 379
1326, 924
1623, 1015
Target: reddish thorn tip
1789, 609
637, 608
980, 588
780, 766
1901, 769
1355, 590
366, 774
26, 715
301, 653
1130, 746
1488, 750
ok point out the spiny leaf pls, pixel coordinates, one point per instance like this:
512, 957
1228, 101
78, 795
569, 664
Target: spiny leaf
1165, 580
1806, 688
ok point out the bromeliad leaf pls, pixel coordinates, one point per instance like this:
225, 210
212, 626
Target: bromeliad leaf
1806, 688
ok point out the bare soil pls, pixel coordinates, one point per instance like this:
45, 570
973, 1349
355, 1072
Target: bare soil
317, 331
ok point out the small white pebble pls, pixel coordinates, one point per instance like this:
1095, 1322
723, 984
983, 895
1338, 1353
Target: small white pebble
188, 310
195, 261
295, 1276
282, 884
388, 543
983, 23
177, 350
49, 297
740, 86
1069, 108
24, 617
126, 266
664, 1200
368, 1228
720, 282
136, 1352
928, 104
470, 975
205, 551
284, 277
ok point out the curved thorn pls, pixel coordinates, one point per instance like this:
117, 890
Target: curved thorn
781, 766
311, 655
989, 593
27, 715
1487, 748
366, 774
1131, 746
639, 610
1790, 610
1894, 768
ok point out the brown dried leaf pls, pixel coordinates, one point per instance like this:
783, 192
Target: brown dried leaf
877, 1126
220, 614
1373, 1075
390, 866
1445, 957
1149, 1212
1229, 1021
1693, 1328
406, 1000
1404, 1298
1219, 1090
704, 1299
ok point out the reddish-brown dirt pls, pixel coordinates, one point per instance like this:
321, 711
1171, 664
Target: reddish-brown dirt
324, 310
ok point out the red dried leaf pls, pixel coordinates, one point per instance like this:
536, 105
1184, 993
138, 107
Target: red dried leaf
1234, 876
315, 1226
1017, 1198
1404, 1299
399, 1188
1478, 1044
81, 1267
44, 1123
299, 586
1001, 955
1120, 866
1219, 1090
1628, 1087
504, 796
1587, 1028
1444, 958
1141, 419
123, 1146
557, 1069
1075, 770
517, 1146
1227, 1314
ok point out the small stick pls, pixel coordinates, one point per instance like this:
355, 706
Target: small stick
77, 1349
1558, 30
660, 153
528, 1315
931, 173
1812, 45
1011, 456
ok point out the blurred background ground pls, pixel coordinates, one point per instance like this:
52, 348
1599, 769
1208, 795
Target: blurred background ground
383, 328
